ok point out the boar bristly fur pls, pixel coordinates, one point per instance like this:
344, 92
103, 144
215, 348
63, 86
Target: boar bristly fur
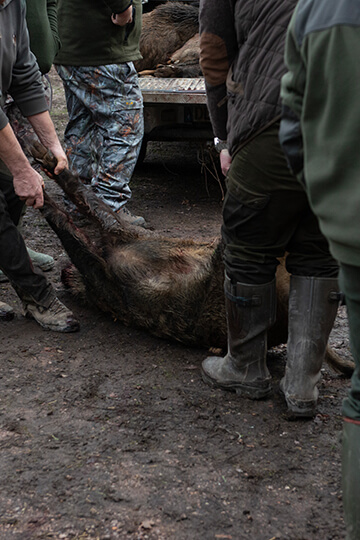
171, 287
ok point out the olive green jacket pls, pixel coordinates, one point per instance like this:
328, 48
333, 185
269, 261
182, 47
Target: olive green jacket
321, 116
41, 20
89, 37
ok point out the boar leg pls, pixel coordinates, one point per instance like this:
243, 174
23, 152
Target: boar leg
83, 253
85, 199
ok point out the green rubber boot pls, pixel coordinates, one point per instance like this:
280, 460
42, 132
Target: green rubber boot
313, 304
250, 311
351, 477
42, 261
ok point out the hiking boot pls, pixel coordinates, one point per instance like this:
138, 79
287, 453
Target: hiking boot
128, 217
42, 261
3, 278
56, 317
6, 312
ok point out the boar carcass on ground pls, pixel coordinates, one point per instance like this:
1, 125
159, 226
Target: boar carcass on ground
165, 29
171, 287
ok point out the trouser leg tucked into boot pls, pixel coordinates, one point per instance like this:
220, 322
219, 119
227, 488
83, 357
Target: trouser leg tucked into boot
250, 311
351, 477
313, 304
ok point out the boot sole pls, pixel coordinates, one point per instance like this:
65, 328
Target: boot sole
296, 410
45, 267
244, 390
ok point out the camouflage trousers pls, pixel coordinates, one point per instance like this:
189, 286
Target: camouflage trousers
105, 128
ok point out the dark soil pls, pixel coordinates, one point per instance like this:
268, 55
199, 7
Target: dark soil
111, 433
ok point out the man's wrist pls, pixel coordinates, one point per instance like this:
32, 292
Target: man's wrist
219, 144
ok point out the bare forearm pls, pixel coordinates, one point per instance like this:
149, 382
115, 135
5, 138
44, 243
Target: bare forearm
45, 130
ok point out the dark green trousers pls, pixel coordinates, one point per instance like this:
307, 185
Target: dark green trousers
15, 262
266, 213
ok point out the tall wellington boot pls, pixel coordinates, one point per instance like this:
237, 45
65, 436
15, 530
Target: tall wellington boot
313, 304
251, 311
351, 477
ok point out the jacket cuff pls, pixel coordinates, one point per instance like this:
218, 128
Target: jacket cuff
34, 106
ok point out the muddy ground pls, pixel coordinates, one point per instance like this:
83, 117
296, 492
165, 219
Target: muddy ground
111, 434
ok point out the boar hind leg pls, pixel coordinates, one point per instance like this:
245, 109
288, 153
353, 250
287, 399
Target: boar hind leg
92, 278
85, 199
82, 252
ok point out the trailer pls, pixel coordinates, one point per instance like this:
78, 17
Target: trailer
174, 110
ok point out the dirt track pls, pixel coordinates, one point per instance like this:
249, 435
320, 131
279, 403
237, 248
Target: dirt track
111, 434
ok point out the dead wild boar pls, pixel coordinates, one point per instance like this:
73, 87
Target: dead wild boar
185, 62
164, 30
171, 287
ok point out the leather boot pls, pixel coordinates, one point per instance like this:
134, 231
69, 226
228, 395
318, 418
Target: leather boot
56, 317
251, 311
351, 477
313, 304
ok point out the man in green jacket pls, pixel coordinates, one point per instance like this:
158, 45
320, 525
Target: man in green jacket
320, 135
100, 42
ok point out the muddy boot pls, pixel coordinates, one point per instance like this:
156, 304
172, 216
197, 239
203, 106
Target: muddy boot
56, 317
313, 304
128, 217
42, 261
351, 477
6, 312
250, 311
